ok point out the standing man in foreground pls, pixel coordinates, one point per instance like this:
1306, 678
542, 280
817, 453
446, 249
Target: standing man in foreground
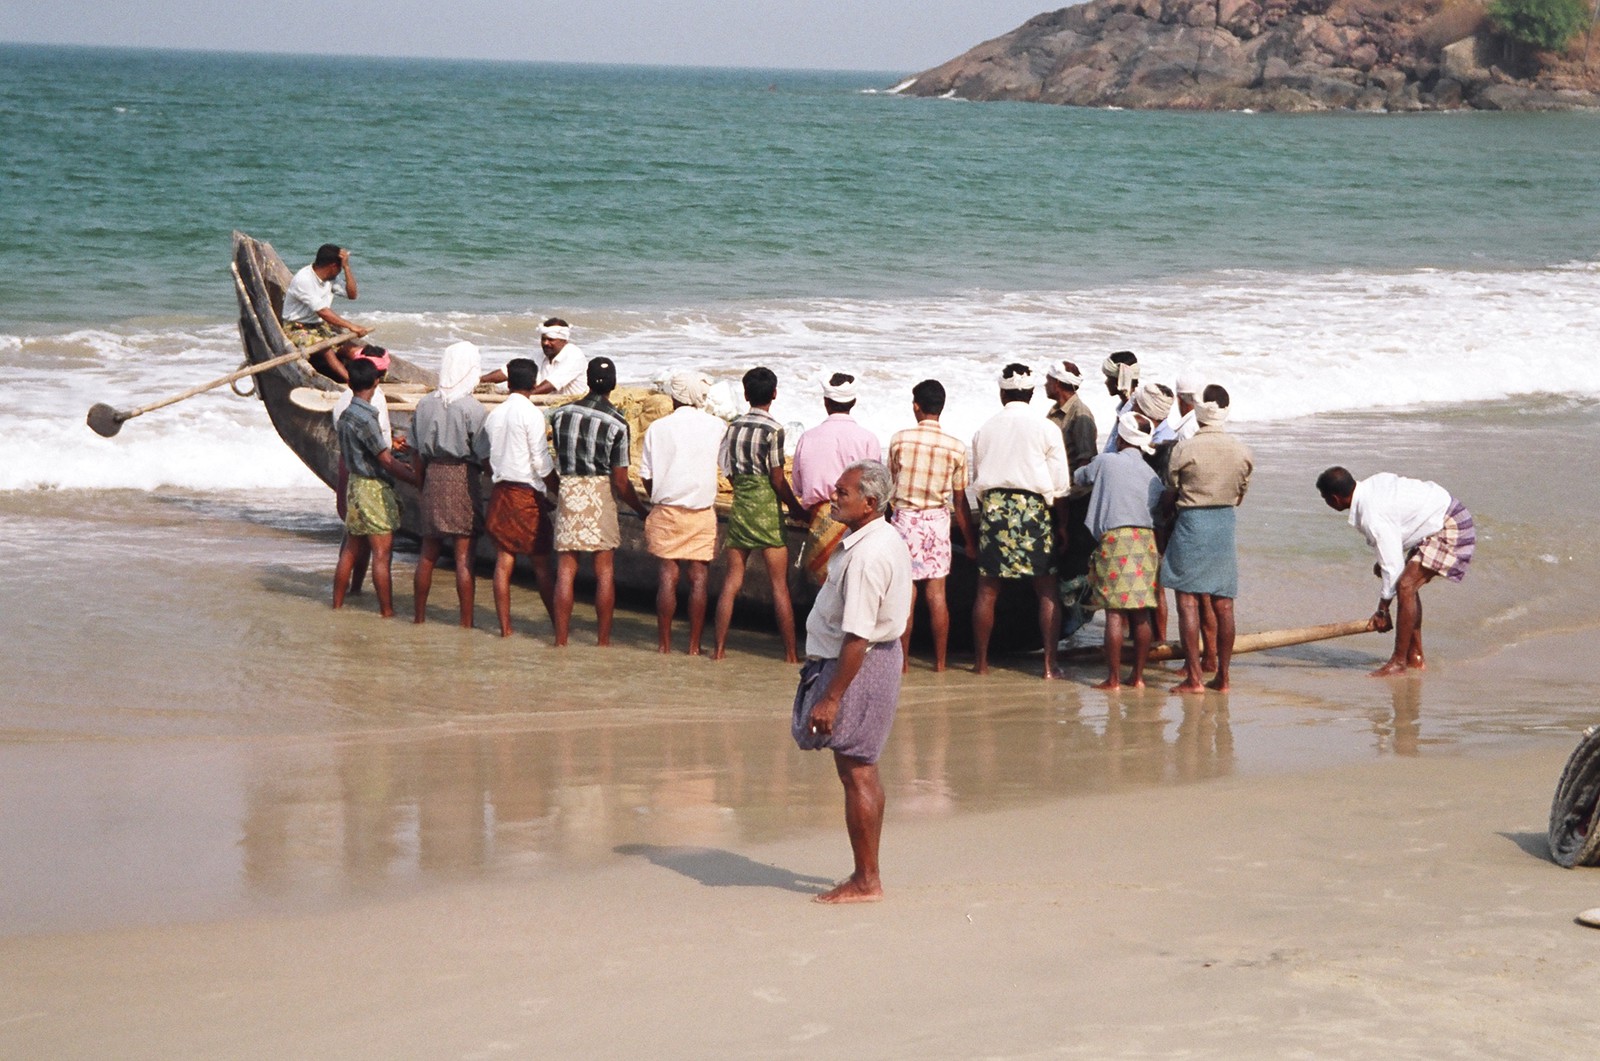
820, 456
850, 683
591, 444
1419, 531
678, 466
1207, 477
308, 317
930, 476
372, 511
1019, 472
751, 457
521, 516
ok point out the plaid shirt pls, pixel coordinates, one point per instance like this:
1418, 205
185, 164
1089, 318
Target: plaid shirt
928, 466
590, 437
361, 439
753, 445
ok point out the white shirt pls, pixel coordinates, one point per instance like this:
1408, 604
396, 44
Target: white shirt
567, 372
378, 400
1395, 514
519, 448
1180, 430
868, 591
680, 458
308, 294
1020, 450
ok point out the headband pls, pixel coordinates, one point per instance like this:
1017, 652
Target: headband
555, 331
844, 392
1152, 402
1058, 372
1016, 381
688, 388
1129, 431
1206, 413
1125, 375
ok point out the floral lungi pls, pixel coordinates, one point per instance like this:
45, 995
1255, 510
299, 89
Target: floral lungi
586, 515
927, 535
304, 335
756, 519
370, 507
1449, 550
450, 500
675, 533
1123, 570
1015, 535
520, 520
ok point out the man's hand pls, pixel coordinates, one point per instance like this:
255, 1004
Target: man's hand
823, 714
344, 257
1380, 621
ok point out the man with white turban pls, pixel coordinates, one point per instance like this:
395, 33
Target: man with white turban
1078, 431
1190, 383
1121, 372
820, 457
678, 466
1206, 479
447, 434
1019, 473
563, 369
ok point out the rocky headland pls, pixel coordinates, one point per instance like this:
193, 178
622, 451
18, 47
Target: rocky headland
1266, 55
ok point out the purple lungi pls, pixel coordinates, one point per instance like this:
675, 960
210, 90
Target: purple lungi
866, 711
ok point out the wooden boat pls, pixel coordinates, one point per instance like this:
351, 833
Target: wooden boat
260, 277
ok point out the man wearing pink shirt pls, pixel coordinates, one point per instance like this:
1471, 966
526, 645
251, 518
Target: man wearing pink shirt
821, 456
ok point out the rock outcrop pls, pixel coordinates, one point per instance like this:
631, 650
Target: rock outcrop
1268, 55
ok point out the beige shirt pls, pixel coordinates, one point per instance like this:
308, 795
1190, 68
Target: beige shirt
868, 592
1210, 470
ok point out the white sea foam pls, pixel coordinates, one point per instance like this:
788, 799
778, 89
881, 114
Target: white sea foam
1286, 346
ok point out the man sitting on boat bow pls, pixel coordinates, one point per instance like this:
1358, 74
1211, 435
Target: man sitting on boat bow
308, 316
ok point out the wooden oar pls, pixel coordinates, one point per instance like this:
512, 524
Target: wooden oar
1299, 635
107, 421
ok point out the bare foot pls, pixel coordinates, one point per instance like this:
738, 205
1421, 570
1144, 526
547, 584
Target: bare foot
980, 668
721, 651
1390, 669
694, 650
1109, 685
905, 667
665, 650
505, 631
938, 666
1135, 683
1188, 688
1217, 685
851, 891
788, 658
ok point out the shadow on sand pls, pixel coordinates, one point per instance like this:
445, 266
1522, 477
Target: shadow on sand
1535, 844
723, 869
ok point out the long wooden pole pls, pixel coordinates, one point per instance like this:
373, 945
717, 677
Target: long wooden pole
1256, 642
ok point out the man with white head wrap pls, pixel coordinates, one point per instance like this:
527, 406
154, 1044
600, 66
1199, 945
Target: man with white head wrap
821, 455
1191, 381
1122, 573
678, 466
447, 434
1206, 480
1078, 431
1019, 474
562, 370
1121, 372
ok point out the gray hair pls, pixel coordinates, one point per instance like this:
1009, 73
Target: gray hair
876, 482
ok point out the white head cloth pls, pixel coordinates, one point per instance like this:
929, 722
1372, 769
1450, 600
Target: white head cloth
844, 392
1016, 381
1152, 402
1129, 430
1127, 376
459, 371
1191, 381
1210, 413
1058, 372
555, 331
688, 388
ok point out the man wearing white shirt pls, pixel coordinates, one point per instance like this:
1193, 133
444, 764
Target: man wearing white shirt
1019, 473
678, 466
564, 367
308, 317
520, 516
1419, 531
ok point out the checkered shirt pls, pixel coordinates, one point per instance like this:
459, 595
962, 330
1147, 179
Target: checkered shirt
590, 437
928, 466
753, 445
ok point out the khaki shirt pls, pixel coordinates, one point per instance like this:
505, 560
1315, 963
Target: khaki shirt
1210, 470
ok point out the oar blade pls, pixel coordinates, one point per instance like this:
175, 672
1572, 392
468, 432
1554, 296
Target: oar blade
104, 420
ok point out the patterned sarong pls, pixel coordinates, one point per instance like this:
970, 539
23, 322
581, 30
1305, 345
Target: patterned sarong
927, 535
520, 520
370, 507
822, 539
674, 533
586, 515
1123, 570
866, 711
1201, 556
1449, 550
1014, 535
756, 519
450, 500
304, 335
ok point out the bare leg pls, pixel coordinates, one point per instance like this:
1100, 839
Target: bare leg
422, 581
1408, 618
382, 552
1414, 659
777, 560
699, 575
732, 581
1225, 628
504, 562
1161, 612
863, 819
348, 550
466, 579
566, 576
1189, 624
983, 621
666, 603
1143, 622
605, 593
544, 576
1046, 586
905, 637
938, 621
1208, 634
1116, 629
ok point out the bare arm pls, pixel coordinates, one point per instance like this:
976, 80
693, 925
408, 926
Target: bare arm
851, 657
969, 536
624, 489
785, 492
349, 275
402, 470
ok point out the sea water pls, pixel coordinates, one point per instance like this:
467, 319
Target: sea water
1418, 294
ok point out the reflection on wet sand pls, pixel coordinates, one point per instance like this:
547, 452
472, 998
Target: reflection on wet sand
379, 808
1401, 733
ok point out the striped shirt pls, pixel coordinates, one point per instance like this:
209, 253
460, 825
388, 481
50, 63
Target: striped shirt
590, 437
753, 445
928, 466
361, 438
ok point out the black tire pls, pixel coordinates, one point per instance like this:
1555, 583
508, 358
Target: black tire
1575, 812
